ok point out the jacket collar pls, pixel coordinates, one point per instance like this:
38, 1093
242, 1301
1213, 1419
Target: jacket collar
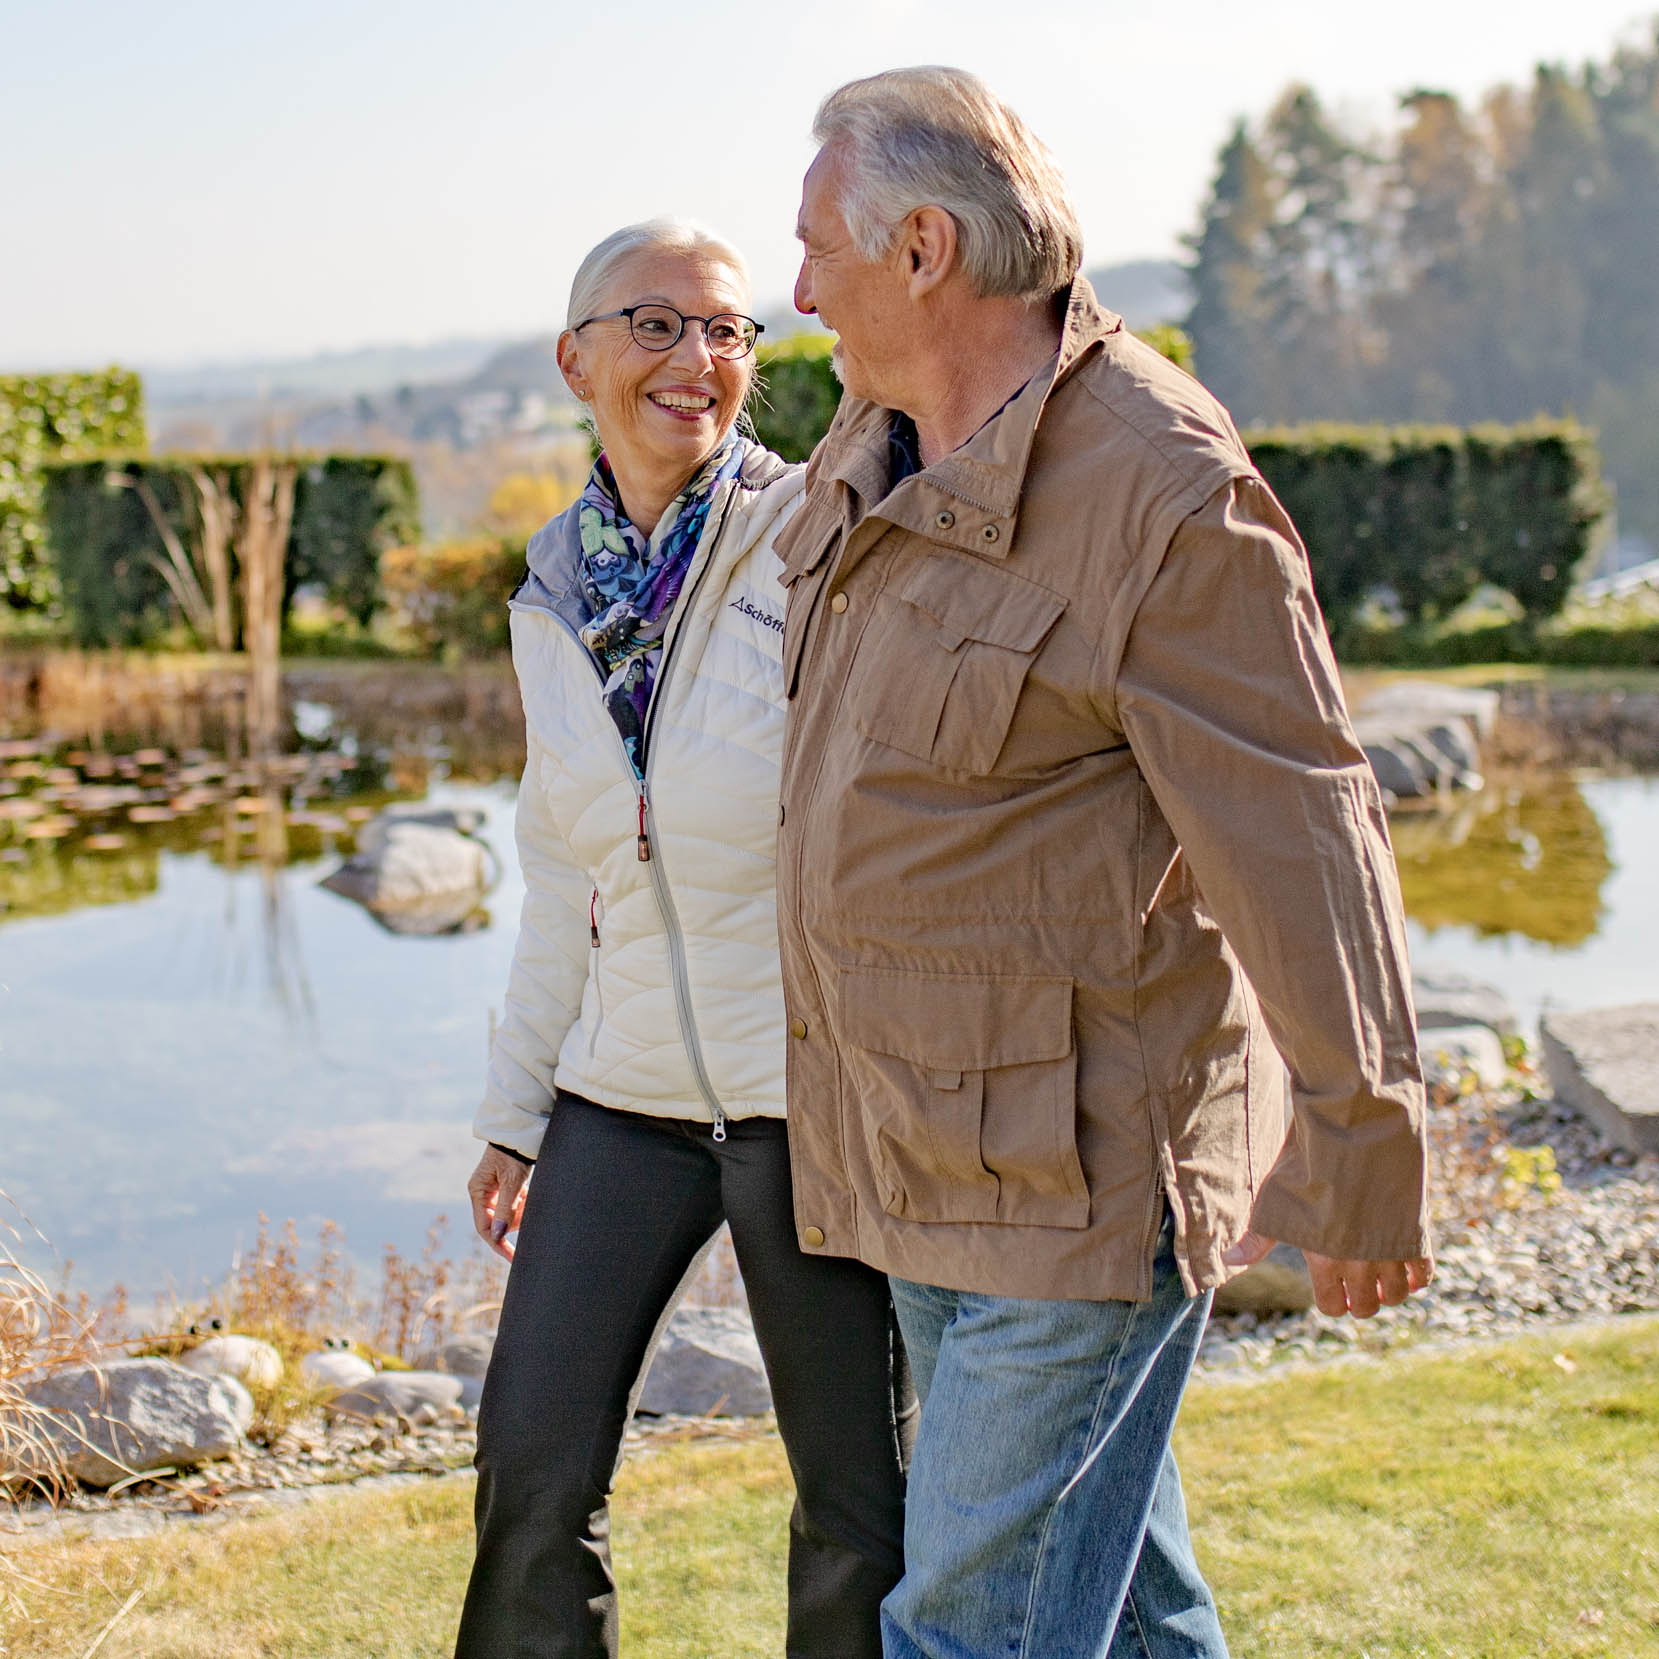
970, 498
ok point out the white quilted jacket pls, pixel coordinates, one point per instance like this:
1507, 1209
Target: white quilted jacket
651, 985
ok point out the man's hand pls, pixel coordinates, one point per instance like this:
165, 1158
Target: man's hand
496, 1189
1340, 1287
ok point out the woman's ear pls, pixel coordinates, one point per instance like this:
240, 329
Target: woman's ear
927, 245
569, 355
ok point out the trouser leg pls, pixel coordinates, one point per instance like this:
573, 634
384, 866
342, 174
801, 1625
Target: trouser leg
617, 1209
826, 1329
1168, 1612
1039, 1463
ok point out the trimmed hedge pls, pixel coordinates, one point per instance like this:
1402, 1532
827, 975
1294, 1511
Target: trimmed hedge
796, 394
1431, 512
451, 600
348, 509
45, 417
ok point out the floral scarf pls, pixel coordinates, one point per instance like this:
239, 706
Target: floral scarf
630, 591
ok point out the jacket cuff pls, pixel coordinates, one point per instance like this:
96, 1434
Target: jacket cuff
514, 1153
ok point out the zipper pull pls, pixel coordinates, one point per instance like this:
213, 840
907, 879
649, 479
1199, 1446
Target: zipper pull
719, 1124
644, 839
593, 918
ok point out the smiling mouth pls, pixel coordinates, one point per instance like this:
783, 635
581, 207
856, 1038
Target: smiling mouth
682, 403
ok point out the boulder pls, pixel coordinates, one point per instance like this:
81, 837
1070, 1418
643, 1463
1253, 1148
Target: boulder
1445, 999
335, 1368
468, 1356
1409, 703
1397, 767
414, 1396
707, 1364
246, 1358
1449, 1052
113, 1420
418, 872
1278, 1283
1605, 1063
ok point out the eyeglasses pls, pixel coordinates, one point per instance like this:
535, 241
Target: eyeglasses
657, 327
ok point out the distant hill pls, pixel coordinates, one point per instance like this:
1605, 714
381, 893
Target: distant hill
1144, 291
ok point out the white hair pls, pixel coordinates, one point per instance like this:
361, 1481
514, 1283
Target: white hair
935, 137
587, 288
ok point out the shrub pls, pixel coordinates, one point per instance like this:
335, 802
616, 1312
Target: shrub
796, 394
43, 418
451, 599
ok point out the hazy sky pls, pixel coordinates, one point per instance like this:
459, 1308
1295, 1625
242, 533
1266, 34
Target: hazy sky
190, 181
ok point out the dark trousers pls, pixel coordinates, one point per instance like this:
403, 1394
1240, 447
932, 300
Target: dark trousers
619, 1207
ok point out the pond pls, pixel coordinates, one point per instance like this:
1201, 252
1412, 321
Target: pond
193, 1031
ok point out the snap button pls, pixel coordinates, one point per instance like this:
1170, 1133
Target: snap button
813, 1236
838, 603
945, 519
797, 1028
990, 532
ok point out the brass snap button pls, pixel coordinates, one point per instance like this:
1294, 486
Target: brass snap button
990, 532
813, 1236
797, 1028
945, 519
838, 603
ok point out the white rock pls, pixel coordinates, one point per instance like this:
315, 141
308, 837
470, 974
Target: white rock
468, 1356
707, 1364
411, 863
399, 1394
114, 1420
1451, 1052
335, 1368
247, 1358
1429, 702
1443, 998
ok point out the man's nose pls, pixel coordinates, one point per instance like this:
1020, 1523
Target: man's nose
803, 292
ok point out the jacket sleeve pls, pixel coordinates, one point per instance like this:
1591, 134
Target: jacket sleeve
549, 971
1229, 696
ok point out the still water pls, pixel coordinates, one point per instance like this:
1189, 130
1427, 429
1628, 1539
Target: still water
187, 1041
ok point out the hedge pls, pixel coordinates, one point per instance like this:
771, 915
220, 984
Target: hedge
348, 509
1435, 512
1430, 512
43, 418
450, 600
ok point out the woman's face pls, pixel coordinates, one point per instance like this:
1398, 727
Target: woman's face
660, 411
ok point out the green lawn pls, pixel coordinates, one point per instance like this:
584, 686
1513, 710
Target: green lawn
1493, 1504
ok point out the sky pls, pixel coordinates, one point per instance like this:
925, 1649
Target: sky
190, 182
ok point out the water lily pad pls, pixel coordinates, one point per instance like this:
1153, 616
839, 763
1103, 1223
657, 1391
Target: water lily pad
151, 814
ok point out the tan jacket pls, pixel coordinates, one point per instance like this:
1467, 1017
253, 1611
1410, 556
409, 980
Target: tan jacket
1075, 831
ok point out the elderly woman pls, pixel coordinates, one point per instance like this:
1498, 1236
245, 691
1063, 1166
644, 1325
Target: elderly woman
640, 1066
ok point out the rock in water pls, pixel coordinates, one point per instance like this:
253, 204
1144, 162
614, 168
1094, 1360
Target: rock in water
411, 1395
418, 872
708, 1364
1419, 703
468, 1356
1606, 1064
115, 1420
247, 1358
1278, 1283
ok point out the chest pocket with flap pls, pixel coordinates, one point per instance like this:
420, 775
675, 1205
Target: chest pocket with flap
944, 661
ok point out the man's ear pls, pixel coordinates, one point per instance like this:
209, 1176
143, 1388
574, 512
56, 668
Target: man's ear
927, 246
569, 355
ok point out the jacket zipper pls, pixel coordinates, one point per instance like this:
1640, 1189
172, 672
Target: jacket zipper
646, 830
598, 983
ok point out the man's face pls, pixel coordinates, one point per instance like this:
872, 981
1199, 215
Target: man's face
864, 301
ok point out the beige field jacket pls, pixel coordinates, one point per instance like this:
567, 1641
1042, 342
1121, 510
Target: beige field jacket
1076, 841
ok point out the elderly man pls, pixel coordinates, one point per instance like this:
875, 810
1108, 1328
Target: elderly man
1077, 843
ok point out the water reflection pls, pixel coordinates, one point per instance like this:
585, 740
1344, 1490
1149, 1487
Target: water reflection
1530, 861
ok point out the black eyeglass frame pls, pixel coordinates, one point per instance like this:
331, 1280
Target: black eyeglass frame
668, 345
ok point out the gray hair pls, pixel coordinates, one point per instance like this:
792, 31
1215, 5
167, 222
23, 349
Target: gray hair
587, 288
941, 137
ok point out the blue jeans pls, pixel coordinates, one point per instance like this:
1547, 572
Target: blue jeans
1045, 1518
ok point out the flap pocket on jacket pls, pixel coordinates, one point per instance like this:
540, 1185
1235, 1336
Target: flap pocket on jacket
967, 1087
943, 673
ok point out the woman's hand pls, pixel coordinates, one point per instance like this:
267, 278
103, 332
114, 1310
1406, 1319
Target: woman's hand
496, 1189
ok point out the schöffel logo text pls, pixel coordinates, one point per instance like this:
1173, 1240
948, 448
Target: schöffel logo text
761, 615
